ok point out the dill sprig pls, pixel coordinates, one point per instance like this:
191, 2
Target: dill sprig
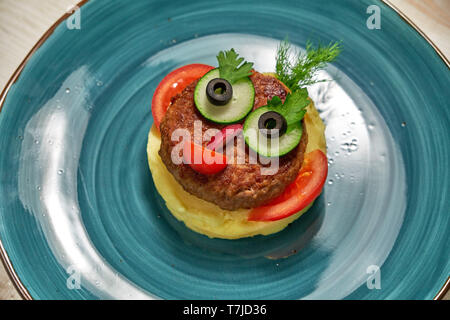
298, 71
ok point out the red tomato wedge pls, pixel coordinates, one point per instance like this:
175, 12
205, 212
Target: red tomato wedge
172, 84
300, 193
203, 160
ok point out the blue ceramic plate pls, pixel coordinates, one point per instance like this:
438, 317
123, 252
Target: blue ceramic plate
79, 214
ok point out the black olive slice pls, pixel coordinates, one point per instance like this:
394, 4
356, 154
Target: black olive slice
272, 124
219, 91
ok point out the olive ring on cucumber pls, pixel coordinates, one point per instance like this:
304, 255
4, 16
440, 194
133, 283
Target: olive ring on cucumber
220, 101
265, 133
219, 91
272, 124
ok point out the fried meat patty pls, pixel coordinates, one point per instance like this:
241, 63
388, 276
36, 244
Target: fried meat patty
238, 185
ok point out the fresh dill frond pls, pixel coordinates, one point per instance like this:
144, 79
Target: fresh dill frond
297, 70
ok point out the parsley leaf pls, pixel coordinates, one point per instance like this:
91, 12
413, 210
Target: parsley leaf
231, 67
294, 107
298, 71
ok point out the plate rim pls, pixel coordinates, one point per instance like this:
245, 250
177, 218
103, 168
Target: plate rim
13, 275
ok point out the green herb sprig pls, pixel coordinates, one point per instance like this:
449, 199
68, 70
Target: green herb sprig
231, 67
297, 70
294, 107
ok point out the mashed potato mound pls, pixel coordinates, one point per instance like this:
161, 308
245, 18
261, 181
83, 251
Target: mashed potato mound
209, 219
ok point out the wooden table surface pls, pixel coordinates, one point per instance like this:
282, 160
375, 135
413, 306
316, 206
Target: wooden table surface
23, 22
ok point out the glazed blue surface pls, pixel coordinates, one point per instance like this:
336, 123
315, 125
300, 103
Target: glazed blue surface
76, 193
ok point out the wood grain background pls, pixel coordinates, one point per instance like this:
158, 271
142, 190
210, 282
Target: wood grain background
23, 22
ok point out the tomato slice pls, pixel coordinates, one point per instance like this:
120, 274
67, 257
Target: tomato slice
203, 160
300, 193
172, 84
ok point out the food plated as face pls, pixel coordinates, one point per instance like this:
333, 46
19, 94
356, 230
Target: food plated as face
235, 152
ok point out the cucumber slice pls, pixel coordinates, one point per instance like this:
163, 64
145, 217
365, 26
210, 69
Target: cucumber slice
235, 110
270, 147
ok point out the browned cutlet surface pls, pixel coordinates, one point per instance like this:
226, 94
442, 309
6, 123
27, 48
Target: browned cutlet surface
238, 185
